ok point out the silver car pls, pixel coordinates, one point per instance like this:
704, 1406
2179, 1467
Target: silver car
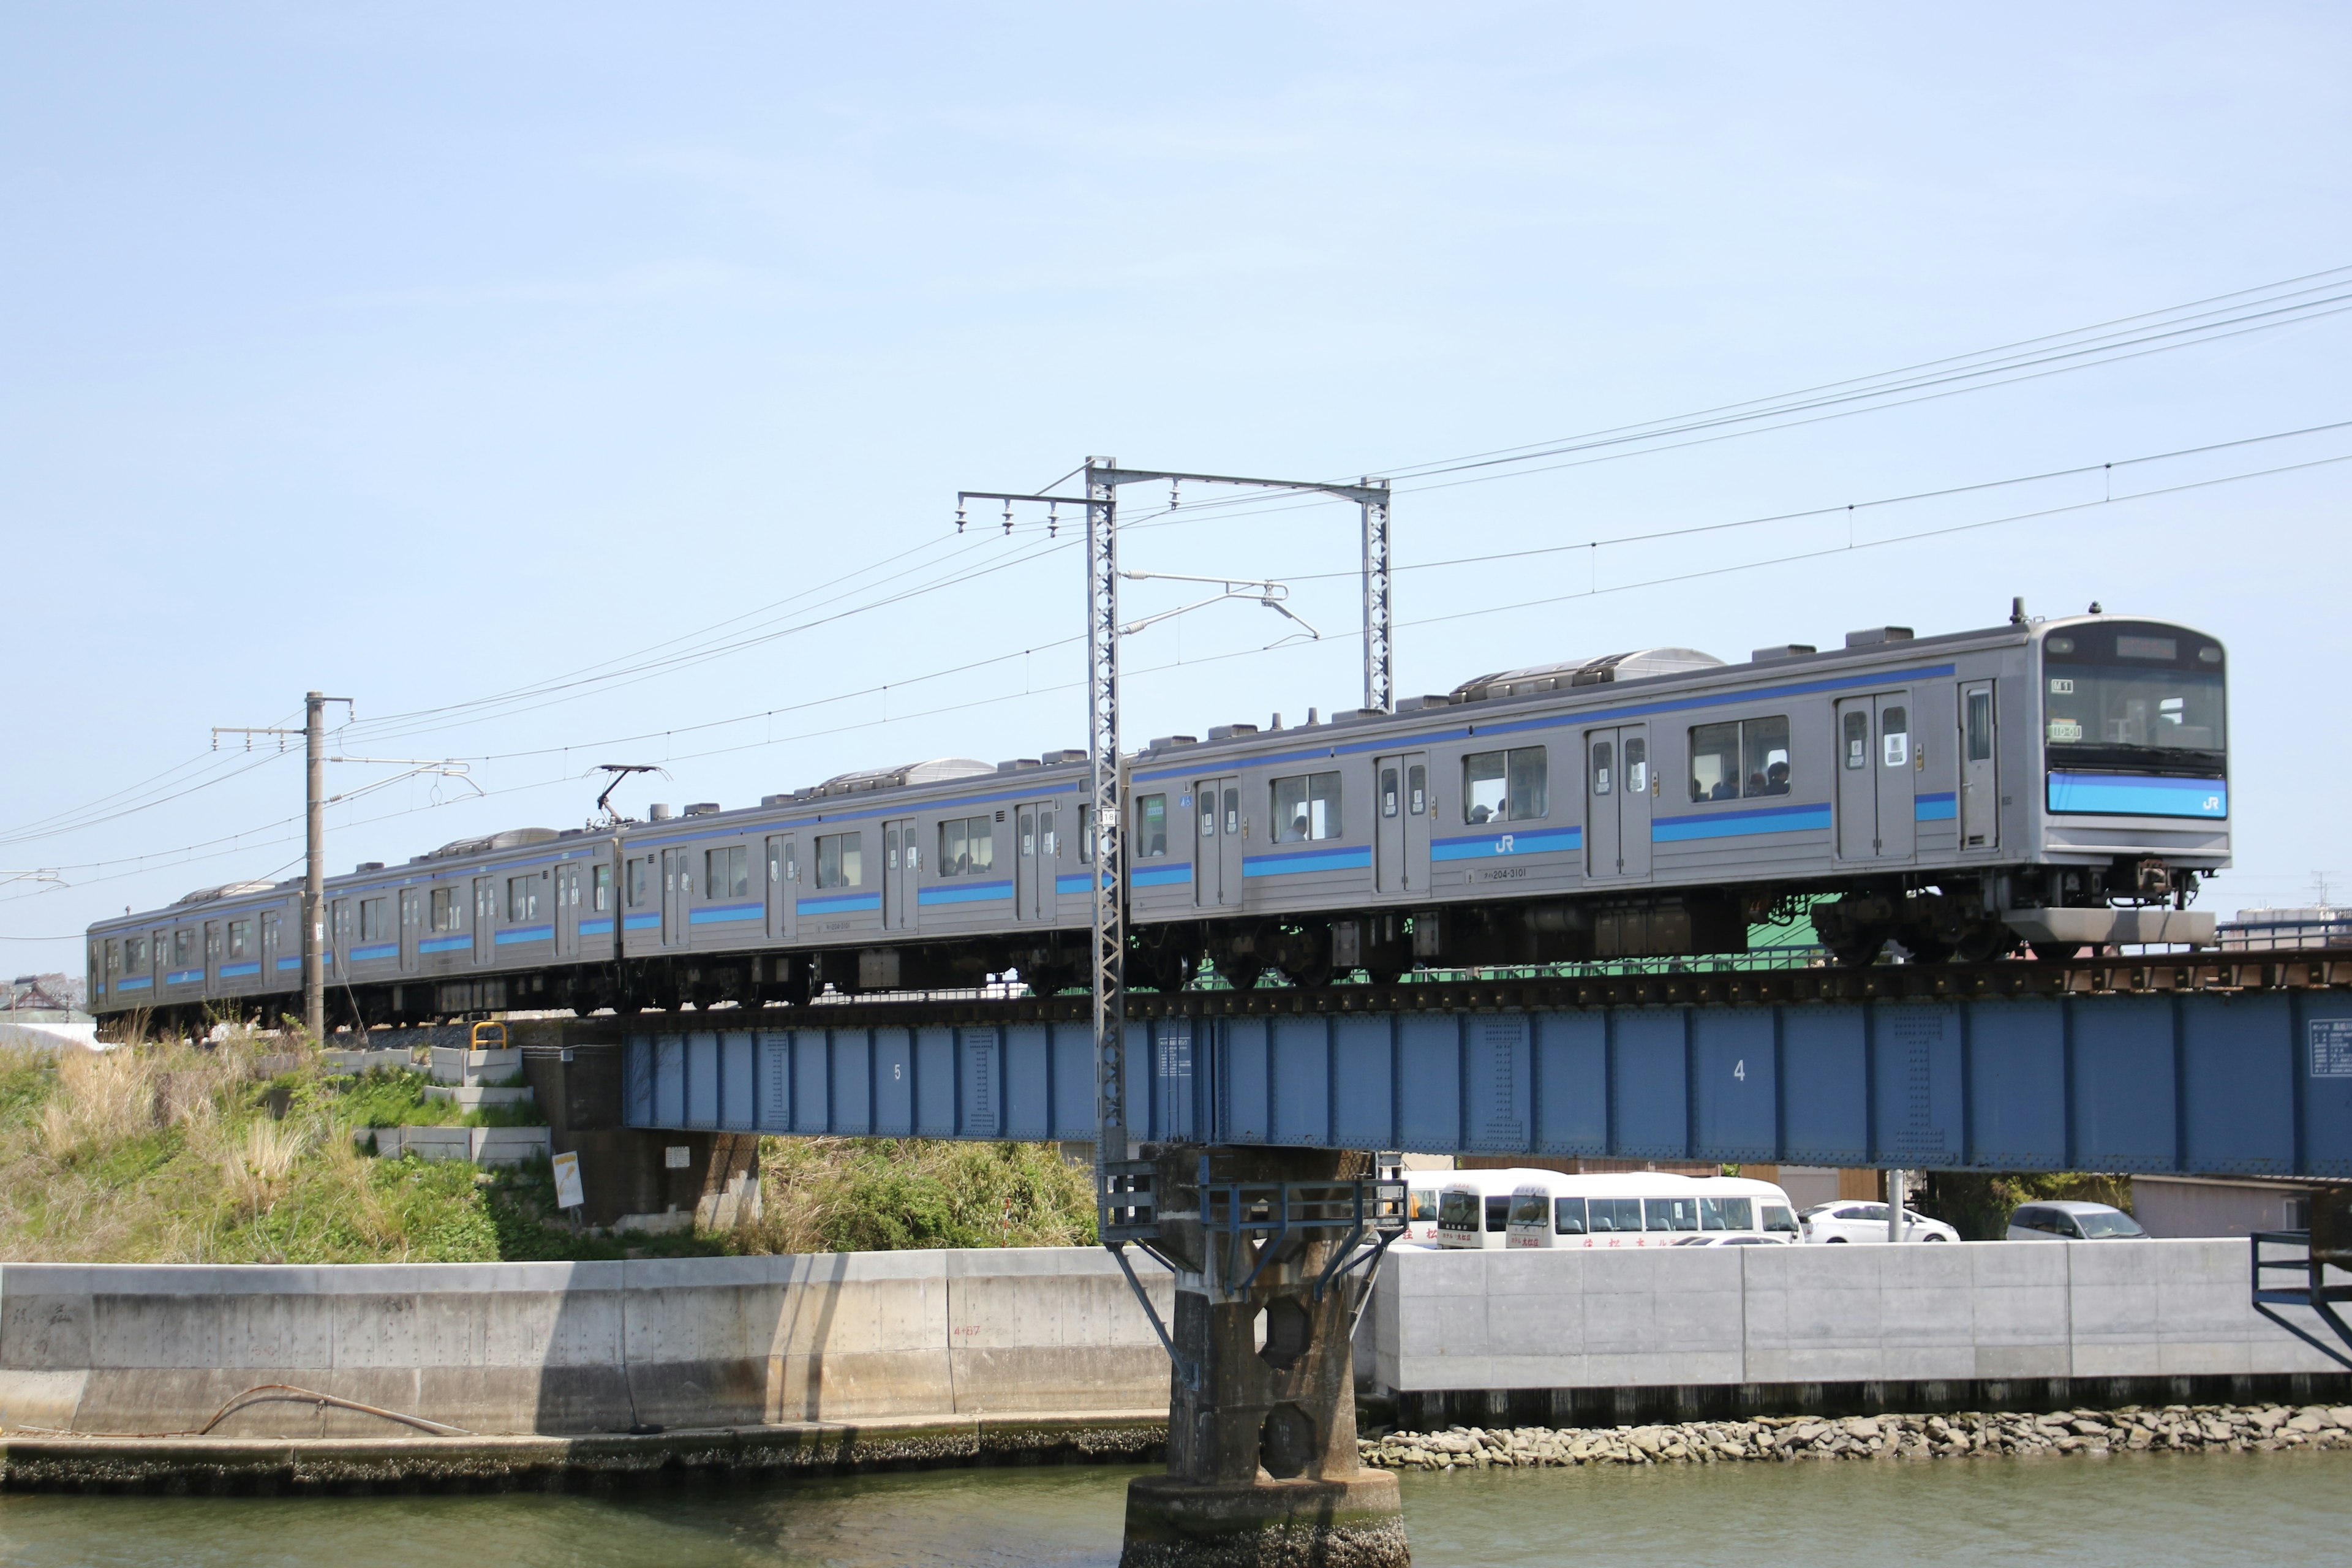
2070, 1221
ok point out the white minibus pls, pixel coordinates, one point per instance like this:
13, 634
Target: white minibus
1644, 1208
1421, 1190
1474, 1207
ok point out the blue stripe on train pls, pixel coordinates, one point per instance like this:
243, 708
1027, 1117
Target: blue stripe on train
1077, 884
521, 933
287, 964
135, 983
1540, 841
1153, 877
840, 903
383, 949
716, 913
1940, 807
2140, 795
1738, 823
1344, 857
443, 944
640, 922
239, 971
966, 893
596, 928
184, 976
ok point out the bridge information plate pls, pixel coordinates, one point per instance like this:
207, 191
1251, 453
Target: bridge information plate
2331, 1048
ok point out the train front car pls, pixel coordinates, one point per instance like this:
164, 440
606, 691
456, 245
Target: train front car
2133, 808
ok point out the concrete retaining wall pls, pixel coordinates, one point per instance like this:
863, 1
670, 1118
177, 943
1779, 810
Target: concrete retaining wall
1756, 1316
560, 1348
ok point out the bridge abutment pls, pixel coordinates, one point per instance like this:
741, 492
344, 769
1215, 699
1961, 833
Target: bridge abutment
1262, 1468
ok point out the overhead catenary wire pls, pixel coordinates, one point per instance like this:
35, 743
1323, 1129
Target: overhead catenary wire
2261, 308
2036, 514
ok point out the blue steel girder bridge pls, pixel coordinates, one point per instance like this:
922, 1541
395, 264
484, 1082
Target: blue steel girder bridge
2178, 1064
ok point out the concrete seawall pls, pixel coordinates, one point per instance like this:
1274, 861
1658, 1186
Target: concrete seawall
575, 1347
1577, 1337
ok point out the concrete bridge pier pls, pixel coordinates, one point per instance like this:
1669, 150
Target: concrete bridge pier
1261, 1469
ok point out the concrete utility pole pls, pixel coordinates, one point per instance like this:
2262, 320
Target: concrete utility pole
314, 846
1896, 1181
314, 869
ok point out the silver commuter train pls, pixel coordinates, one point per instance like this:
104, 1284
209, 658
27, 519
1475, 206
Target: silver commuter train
2055, 784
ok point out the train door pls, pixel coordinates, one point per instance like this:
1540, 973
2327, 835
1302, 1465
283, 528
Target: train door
486, 918
678, 891
212, 951
412, 909
783, 874
1618, 781
1217, 858
1033, 861
1401, 827
273, 925
567, 911
901, 857
1979, 778
1877, 760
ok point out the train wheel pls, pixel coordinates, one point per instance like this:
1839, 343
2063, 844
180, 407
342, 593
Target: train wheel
1859, 952
1241, 974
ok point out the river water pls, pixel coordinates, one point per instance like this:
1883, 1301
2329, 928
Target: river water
2146, 1511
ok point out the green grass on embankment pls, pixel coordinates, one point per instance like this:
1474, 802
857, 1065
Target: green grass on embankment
166, 1154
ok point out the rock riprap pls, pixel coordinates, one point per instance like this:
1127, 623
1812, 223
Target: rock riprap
2134, 1428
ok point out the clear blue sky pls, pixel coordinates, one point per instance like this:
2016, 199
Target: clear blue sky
417, 352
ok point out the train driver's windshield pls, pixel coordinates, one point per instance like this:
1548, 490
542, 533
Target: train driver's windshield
2131, 694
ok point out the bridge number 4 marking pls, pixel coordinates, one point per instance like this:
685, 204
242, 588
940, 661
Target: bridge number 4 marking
1740, 1069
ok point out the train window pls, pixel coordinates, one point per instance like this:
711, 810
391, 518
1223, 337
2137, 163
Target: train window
1208, 814
1895, 737
1086, 835
1416, 789
1637, 765
1714, 762
637, 873
522, 898
1764, 750
1568, 1217
967, 844
1150, 827
240, 938
727, 873
135, 954
1604, 766
374, 927
1389, 792
840, 860
1856, 734
1980, 727
1233, 810
1740, 760
1305, 807
603, 887
343, 923
1026, 831
1047, 844
1506, 786
449, 913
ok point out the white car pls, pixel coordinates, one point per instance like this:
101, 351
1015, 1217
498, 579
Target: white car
1851, 1221
2070, 1221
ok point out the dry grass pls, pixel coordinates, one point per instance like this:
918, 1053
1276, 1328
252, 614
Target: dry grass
172, 1153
